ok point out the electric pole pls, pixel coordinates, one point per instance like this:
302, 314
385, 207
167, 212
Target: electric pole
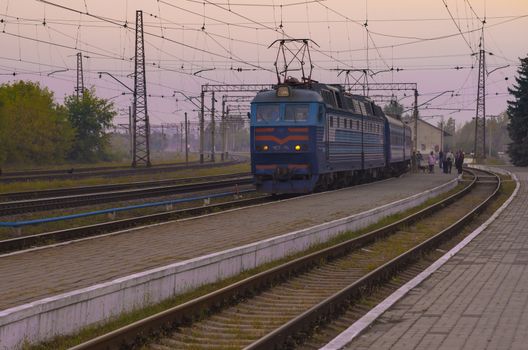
415, 118
480, 117
141, 119
186, 139
202, 108
213, 126
80, 76
223, 128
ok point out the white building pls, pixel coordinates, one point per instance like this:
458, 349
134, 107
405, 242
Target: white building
430, 137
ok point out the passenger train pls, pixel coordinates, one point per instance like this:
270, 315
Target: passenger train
311, 137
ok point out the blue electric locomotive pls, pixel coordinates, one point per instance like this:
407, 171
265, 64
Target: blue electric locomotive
307, 137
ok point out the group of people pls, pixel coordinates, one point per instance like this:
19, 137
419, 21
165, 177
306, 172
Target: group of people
445, 161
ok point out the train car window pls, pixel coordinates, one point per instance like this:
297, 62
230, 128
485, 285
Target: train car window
328, 97
332, 121
349, 104
368, 108
338, 99
357, 107
338, 122
377, 110
363, 109
297, 113
268, 113
357, 124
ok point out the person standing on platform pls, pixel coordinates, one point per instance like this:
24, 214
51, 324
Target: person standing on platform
441, 159
449, 162
420, 161
459, 161
431, 161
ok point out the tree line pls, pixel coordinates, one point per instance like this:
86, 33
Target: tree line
34, 129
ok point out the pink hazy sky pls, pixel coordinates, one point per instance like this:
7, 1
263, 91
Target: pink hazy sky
39, 41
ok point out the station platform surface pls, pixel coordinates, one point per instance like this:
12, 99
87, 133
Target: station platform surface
34, 275
477, 300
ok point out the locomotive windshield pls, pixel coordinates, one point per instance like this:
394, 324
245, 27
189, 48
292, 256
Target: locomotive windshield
283, 112
296, 113
268, 113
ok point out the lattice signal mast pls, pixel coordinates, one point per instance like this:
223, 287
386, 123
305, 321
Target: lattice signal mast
140, 113
480, 118
80, 76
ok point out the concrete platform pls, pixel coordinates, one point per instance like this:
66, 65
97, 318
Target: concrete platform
477, 300
59, 290
38, 274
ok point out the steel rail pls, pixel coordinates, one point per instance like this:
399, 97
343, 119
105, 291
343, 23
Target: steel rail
15, 207
329, 307
42, 239
135, 333
56, 192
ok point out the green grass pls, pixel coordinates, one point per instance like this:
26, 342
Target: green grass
129, 317
494, 161
157, 158
92, 181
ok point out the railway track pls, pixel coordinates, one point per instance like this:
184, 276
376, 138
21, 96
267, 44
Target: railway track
70, 191
33, 205
79, 173
42, 239
277, 308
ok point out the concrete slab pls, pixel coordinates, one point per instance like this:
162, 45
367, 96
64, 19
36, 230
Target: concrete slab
476, 300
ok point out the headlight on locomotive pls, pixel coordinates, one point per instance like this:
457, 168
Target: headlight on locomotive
262, 148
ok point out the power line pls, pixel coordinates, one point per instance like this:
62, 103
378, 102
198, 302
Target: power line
456, 24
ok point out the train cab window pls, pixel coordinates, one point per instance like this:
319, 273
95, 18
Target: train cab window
297, 113
268, 113
320, 114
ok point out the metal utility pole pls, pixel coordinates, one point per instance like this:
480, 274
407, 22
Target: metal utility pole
480, 118
181, 137
202, 107
227, 130
223, 128
131, 131
80, 76
186, 139
213, 126
141, 119
415, 118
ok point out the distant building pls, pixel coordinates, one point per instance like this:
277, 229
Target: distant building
430, 137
